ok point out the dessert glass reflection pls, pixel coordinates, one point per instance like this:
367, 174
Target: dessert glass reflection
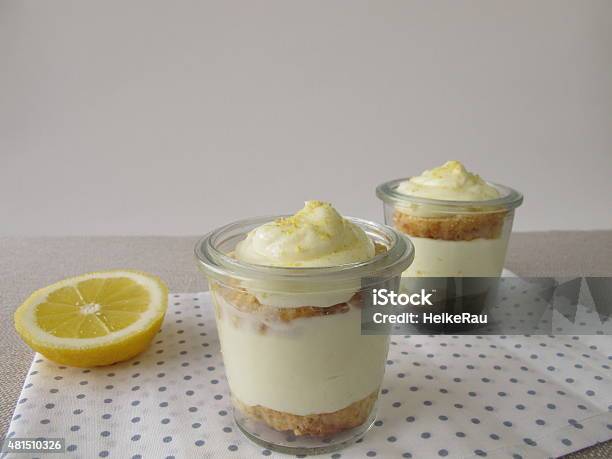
288, 293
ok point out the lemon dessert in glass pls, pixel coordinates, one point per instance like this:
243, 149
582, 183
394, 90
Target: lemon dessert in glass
459, 223
288, 293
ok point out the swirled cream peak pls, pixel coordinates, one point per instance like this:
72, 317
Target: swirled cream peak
315, 236
451, 182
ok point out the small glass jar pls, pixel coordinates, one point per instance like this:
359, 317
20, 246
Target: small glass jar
302, 377
452, 238
460, 246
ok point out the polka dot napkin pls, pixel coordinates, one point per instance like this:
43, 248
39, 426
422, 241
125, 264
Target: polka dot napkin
443, 396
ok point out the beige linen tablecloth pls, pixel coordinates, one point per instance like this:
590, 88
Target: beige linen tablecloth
29, 263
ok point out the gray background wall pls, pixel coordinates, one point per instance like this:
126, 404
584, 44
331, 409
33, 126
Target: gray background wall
159, 117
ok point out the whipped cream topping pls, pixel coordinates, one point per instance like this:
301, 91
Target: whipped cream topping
450, 182
316, 236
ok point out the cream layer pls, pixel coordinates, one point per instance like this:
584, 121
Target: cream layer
475, 258
307, 366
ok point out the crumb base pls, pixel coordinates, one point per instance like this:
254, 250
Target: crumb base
454, 228
319, 424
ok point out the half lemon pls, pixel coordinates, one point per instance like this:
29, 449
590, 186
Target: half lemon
94, 319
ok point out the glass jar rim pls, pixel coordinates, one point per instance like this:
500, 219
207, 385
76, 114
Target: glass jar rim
509, 199
220, 266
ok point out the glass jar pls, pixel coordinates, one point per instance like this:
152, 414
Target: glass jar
452, 238
302, 377
460, 246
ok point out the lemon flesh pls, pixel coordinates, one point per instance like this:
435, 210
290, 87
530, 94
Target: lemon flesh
94, 319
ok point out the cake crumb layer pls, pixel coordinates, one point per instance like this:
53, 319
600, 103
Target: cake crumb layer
318, 425
454, 228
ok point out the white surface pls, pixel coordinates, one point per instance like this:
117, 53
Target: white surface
115, 112
537, 396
